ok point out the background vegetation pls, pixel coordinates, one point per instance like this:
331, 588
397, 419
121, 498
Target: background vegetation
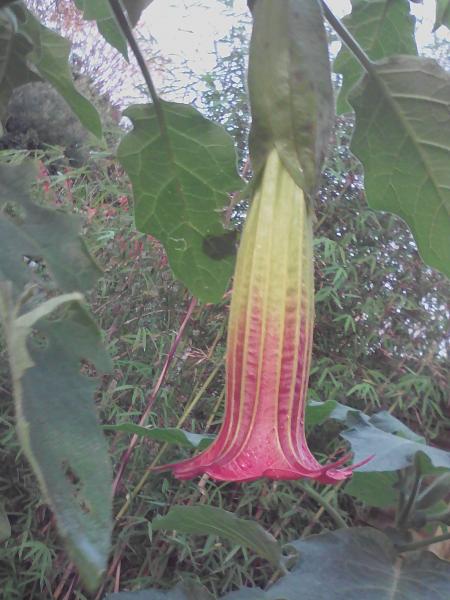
382, 322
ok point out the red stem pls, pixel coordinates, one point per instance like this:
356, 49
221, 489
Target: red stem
152, 396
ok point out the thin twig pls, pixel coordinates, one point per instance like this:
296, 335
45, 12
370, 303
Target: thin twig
152, 397
423, 543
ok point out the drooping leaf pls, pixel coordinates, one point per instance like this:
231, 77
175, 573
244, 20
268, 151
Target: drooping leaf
207, 520
402, 138
5, 526
187, 590
56, 420
28, 229
290, 87
382, 28
50, 57
390, 451
182, 174
101, 12
442, 14
15, 49
169, 435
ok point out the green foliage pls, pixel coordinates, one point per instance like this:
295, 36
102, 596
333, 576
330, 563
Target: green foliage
442, 14
209, 520
50, 57
402, 139
382, 28
182, 168
169, 435
15, 47
100, 11
289, 82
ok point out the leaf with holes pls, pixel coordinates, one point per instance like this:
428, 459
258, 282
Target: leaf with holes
402, 138
169, 435
51, 59
28, 229
15, 49
382, 28
51, 361
183, 168
207, 520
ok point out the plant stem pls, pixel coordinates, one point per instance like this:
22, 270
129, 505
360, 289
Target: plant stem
423, 543
348, 39
334, 514
128, 33
406, 510
180, 422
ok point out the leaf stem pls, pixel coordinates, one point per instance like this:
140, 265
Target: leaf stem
128, 33
423, 543
334, 514
406, 510
348, 39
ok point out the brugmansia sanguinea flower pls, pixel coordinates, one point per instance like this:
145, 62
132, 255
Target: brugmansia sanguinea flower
269, 345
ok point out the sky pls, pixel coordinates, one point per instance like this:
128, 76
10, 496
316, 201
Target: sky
186, 30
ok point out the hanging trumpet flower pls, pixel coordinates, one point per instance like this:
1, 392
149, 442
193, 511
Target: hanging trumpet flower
269, 345
272, 308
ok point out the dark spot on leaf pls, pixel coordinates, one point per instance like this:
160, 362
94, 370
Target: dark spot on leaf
218, 247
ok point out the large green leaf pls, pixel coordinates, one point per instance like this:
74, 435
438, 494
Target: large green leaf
442, 14
101, 12
374, 489
208, 520
15, 49
348, 564
382, 28
57, 423
391, 450
402, 138
28, 229
50, 57
169, 435
187, 590
182, 168
290, 87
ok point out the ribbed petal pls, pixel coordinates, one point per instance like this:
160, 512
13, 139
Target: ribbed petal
269, 346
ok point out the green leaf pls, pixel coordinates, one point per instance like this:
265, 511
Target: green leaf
374, 489
135, 8
290, 87
207, 520
402, 138
442, 14
15, 49
50, 57
382, 28
5, 526
356, 563
101, 12
28, 229
182, 171
390, 451
57, 423
169, 435
318, 412
187, 590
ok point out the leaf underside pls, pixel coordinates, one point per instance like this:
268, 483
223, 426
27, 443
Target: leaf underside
402, 138
182, 176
